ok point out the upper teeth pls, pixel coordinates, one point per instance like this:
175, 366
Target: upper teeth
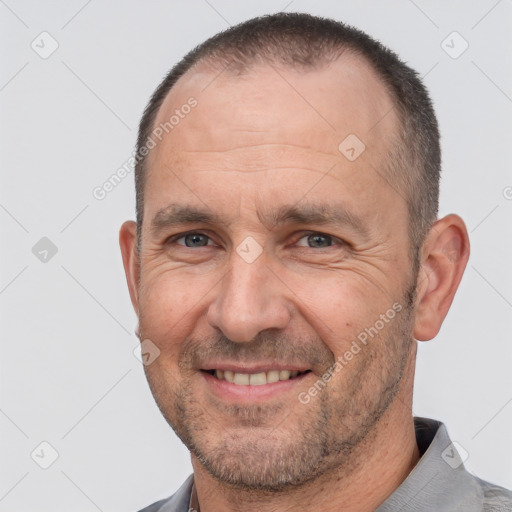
255, 379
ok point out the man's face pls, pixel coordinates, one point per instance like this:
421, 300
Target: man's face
266, 250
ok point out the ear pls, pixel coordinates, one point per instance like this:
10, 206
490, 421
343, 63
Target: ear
443, 258
131, 262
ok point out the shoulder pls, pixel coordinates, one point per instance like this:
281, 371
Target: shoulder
496, 498
178, 502
157, 506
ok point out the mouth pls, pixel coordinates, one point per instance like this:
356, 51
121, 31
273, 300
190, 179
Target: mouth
255, 379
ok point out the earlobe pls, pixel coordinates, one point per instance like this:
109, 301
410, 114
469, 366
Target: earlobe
128, 245
444, 256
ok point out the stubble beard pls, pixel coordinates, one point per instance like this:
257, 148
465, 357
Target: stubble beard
264, 449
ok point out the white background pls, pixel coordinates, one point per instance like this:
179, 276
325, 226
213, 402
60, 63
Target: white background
68, 122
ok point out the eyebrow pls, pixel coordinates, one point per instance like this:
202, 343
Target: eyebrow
312, 213
175, 214
308, 213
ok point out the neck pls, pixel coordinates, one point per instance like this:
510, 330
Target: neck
377, 466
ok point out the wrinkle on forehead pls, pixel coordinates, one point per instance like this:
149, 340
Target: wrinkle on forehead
317, 108
252, 158
261, 123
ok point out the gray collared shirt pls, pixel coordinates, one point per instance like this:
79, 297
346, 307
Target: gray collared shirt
439, 482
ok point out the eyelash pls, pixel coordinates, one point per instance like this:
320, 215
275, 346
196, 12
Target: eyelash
334, 239
175, 238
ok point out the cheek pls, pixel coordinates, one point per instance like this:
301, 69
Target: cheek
170, 306
340, 307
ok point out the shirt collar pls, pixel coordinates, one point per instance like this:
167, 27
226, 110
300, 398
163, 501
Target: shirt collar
439, 481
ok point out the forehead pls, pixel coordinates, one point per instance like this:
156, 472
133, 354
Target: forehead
268, 103
271, 130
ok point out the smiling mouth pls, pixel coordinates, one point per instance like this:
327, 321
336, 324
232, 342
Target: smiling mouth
255, 379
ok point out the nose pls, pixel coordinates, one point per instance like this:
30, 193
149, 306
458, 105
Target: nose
251, 299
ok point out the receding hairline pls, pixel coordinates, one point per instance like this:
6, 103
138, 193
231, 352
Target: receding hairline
221, 67
299, 40
215, 67
387, 121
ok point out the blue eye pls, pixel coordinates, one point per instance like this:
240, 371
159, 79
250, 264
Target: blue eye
194, 240
316, 240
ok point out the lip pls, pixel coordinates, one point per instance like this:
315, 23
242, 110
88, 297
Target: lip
253, 368
228, 391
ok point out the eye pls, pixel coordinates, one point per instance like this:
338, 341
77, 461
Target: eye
317, 240
193, 240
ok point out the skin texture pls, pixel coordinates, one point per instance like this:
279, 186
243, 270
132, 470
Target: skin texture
255, 144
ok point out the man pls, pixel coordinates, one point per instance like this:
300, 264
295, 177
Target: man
286, 258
